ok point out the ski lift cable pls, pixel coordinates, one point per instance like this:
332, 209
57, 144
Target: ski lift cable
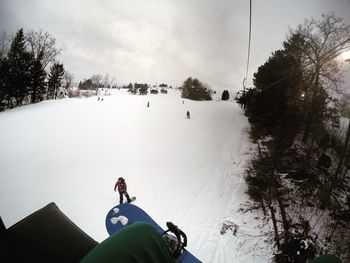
249, 40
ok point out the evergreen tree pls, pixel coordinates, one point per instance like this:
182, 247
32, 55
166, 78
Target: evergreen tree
130, 88
4, 84
87, 84
55, 80
37, 77
143, 90
19, 69
276, 104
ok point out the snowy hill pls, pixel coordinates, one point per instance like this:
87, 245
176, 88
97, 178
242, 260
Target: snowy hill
71, 151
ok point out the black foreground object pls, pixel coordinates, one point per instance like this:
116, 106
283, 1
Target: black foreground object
175, 244
47, 235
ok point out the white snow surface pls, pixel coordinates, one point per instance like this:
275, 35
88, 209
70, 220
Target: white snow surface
188, 171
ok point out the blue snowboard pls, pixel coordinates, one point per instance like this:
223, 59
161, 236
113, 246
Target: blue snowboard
125, 214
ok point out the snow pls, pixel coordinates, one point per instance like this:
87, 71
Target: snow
123, 219
188, 171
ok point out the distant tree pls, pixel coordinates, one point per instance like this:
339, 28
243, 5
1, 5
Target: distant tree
106, 81
193, 89
130, 88
86, 84
97, 81
19, 61
55, 80
133, 88
37, 80
143, 89
225, 95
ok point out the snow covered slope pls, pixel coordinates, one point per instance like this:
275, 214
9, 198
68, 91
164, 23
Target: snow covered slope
188, 171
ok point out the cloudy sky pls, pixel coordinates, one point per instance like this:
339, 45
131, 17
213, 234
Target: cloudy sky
165, 41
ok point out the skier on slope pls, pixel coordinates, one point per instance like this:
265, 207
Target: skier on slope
188, 115
122, 189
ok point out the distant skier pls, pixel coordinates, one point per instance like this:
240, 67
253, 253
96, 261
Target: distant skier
188, 115
147, 104
122, 189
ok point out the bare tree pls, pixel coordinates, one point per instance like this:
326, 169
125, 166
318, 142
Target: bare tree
5, 41
40, 41
68, 79
344, 105
113, 84
106, 81
322, 42
96, 80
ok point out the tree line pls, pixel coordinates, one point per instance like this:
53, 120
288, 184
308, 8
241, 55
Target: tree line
23, 62
97, 81
299, 180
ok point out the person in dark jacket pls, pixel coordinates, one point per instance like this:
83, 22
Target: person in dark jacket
188, 115
122, 189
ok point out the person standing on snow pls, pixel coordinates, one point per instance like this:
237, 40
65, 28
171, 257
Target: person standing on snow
188, 115
122, 189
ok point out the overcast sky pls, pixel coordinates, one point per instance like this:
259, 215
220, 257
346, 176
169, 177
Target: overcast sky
165, 41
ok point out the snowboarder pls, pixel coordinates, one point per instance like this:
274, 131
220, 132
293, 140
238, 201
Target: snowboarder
188, 115
122, 189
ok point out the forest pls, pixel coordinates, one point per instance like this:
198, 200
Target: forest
299, 112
